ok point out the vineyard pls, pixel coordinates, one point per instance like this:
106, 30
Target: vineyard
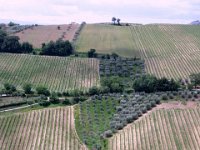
43, 129
103, 115
46, 33
172, 51
56, 73
163, 129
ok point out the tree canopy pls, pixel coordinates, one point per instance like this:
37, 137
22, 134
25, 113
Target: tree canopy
150, 84
58, 48
10, 44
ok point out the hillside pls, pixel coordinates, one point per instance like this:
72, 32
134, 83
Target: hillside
56, 73
42, 129
163, 129
45, 33
168, 50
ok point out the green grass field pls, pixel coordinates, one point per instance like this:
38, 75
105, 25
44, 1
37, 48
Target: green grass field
172, 51
56, 73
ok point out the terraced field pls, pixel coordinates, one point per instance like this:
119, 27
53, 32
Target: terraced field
43, 129
56, 73
163, 129
172, 51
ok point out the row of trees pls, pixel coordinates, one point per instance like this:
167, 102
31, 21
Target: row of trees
114, 20
58, 48
11, 44
146, 83
150, 84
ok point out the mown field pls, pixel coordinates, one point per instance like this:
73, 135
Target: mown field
41, 129
46, 33
172, 51
56, 73
162, 130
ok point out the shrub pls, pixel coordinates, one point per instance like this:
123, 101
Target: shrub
183, 96
164, 97
43, 90
27, 89
66, 102
157, 100
189, 96
65, 94
195, 95
94, 91
119, 108
30, 102
44, 103
119, 126
129, 119
108, 133
9, 88
153, 103
148, 105
171, 96
144, 109
135, 116
139, 113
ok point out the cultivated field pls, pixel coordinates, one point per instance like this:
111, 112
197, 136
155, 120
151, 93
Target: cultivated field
176, 129
56, 73
168, 50
45, 33
42, 129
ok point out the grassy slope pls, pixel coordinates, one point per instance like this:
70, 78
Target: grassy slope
169, 50
107, 39
57, 73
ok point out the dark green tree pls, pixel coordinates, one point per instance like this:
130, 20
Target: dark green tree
42, 90
92, 53
27, 88
26, 47
113, 20
118, 21
195, 79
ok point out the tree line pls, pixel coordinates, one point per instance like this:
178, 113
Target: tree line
11, 44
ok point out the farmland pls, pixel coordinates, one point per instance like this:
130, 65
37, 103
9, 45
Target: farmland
42, 129
162, 129
56, 73
168, 50
45, 33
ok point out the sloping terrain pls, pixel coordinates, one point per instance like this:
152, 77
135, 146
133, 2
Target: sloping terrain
46, 33
172, 51
56, 73
41, 129
175, 129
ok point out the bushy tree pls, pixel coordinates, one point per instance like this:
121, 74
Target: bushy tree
58, 48
115, 84
195, 79
94, 90
42, 90
26, 47
113, 20
145, 83
92, 53
27, 88
148, 84
11, 45
9, 88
